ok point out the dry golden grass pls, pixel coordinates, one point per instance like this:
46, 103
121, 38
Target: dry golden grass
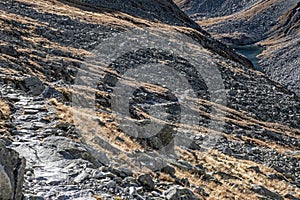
243, 119
4, 115
5, 110
165, 177
7, 71
214, 161
87, 121
228, 115
28, 36
273, 44
62, 112
97, 197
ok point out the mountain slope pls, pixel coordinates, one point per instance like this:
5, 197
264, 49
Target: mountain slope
205, 8
281, 57
270, 24
250, 24
48, 46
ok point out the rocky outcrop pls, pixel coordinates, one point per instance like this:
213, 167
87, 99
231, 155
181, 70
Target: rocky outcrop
12, 169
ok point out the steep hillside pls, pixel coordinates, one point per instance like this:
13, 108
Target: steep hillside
160, 11
205, 8
274, 25
133, 100
281, 56
247, 25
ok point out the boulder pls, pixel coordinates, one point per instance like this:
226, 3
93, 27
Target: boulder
8, 50
261, 190
146, 181
11, 173
179, 193
71, 150
33, 85
51, 92
162, 141
169, 170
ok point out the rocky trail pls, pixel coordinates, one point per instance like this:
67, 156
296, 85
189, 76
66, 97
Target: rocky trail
58, 167
51, 165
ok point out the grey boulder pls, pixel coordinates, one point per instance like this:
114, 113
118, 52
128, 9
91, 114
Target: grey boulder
11, 173
179, 193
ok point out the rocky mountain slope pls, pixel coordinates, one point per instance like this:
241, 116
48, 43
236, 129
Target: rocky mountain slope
249, 24
205, 8
271, 24
281, 57
84, 84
